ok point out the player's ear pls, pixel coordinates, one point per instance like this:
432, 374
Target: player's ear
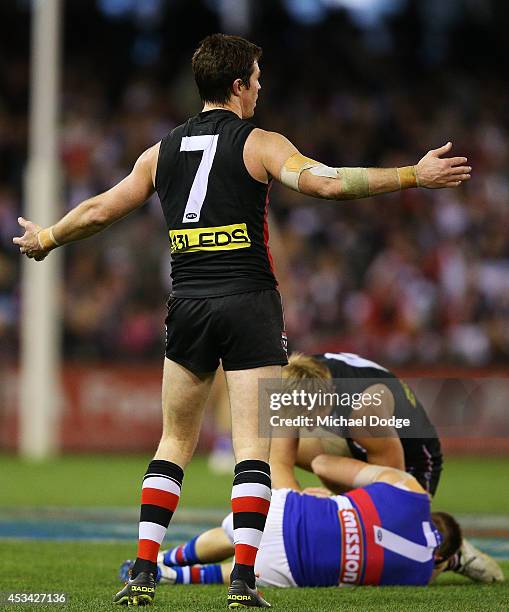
237, 86
437, 558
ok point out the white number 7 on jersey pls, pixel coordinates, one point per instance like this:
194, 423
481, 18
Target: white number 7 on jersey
207, 144
404, 547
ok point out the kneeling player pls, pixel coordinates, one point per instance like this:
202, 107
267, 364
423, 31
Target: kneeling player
415, 449
380, 533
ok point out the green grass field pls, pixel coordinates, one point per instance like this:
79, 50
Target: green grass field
86, 570
469, 484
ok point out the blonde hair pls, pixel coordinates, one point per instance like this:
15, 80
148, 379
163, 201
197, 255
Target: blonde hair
305, 368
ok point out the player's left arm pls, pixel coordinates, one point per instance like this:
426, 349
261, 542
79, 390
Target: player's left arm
381, 443
386, 450
94, 214
282, 160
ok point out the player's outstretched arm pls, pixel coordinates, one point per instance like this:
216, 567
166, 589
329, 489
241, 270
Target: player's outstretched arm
282, 160
94, 214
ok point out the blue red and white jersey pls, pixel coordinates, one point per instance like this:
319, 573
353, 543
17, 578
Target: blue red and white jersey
377, 535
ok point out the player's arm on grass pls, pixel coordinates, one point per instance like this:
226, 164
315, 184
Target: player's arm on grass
94, 214
282, 161
283, 457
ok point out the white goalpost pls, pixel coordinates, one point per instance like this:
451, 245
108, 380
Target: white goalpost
40, 324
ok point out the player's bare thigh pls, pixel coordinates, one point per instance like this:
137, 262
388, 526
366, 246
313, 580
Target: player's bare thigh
244, 402
184, 395
220, 403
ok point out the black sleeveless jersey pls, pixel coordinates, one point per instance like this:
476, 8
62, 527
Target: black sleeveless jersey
215, 211
420, 441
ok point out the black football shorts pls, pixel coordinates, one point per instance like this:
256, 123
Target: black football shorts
244, 331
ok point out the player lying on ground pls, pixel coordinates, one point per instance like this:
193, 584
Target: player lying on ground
381, 533
212, 175
415, 449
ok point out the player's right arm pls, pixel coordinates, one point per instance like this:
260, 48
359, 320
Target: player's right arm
273, 154
283, 457
350, 473
94, 214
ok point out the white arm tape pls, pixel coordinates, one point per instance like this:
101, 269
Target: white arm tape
295, 166
354, 181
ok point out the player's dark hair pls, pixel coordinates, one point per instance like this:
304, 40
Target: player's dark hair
451, 534
219, 61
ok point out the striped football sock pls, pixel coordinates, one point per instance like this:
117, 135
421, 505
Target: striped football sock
250, 504
197, 574
160, 494
182, 555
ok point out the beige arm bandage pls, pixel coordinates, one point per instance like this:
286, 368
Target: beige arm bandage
371, 473
354, 181
407, 177
47, 240
295, 165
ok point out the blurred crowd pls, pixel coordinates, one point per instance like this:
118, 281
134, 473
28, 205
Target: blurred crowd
418, 277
